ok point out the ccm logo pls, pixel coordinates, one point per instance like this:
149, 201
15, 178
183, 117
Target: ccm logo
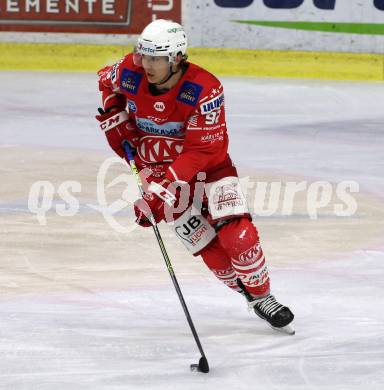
114, 121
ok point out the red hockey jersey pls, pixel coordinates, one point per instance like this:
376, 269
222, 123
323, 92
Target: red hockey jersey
183, 129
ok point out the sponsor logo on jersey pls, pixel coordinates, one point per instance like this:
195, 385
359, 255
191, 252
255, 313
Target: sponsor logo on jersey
168, 128
192, 231
212, 104
131, 105
189, 93
153, 149
159, 106
219, 136
130, 81
227, 196
157, 120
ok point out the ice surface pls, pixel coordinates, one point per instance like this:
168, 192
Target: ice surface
85, 307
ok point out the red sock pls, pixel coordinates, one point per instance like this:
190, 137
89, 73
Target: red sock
240, 240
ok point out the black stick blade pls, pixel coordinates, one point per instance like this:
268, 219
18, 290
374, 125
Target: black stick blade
202, 366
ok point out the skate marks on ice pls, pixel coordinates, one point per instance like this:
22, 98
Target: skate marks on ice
120, 340
83, 251
85, 306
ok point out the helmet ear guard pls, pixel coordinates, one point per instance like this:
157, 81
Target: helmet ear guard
184, 57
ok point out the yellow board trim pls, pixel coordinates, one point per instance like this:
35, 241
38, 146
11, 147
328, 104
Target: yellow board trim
222, 62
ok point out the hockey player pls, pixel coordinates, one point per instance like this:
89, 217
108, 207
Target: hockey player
172, 114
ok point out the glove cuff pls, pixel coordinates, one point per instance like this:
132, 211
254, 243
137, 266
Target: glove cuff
114, 121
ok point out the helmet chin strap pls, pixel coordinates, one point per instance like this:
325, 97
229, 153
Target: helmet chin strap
171, 73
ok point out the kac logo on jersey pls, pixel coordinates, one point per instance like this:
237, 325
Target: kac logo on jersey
189, 93
212, 104
251, 255
155, 149
130, 81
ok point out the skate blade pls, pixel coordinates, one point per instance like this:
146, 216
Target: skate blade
287, 329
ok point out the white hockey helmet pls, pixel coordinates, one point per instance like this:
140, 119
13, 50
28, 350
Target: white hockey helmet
162, 38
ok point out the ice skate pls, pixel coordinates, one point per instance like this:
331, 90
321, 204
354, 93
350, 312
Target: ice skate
278, 316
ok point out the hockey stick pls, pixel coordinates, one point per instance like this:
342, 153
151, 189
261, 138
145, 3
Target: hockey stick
202, 366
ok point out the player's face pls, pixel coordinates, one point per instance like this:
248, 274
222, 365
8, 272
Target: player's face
156, 67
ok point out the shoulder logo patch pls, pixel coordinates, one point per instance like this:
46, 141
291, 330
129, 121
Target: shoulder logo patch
130, 81
189, 93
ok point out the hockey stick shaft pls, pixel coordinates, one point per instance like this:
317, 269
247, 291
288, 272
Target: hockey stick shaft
168, 263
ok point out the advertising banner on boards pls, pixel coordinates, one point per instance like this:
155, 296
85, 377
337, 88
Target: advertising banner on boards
335, 25
85, 16
309, 25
